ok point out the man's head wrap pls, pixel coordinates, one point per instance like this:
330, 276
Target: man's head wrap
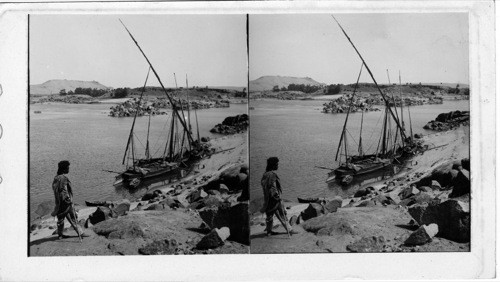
62, 167
272, 163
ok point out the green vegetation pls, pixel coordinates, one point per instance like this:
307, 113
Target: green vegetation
121, 92
298, 87
334, 89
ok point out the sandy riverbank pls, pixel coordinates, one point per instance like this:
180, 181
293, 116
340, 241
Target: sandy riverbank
142, 227
381, 220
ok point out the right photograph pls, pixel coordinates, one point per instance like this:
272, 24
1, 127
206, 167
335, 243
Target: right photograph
359, 136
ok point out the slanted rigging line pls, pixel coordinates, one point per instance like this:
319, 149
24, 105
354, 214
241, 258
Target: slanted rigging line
139, 140
348, 111
371, 74
159, 137
352, 138
190, 138
373, 131
135, 117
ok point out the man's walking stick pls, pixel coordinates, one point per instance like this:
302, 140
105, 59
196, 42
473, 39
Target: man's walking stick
284, 220
75, 224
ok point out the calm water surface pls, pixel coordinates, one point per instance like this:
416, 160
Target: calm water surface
302, 137
92, 142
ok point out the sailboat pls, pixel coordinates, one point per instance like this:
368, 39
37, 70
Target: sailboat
180, 149
392, 149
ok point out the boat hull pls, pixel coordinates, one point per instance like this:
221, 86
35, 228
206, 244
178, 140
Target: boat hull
347, 173
133, 177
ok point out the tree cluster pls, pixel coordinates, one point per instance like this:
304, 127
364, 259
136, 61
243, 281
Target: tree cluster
93, 92
333, 89
298, 87
121, 92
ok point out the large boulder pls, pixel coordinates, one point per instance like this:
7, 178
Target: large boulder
452, 217
466, 164
211, 201
232, 125
422, 235
151, 195
101, 214
409, 192
159, 247
422, 197
45, 208
121, 207
214, 239
196, 195
234, 178
384, 200
425, 189
313, 210
333, 205
394, 197
329, 224
234, 217
170, 202
118, 229
366, 204
443, 174
435, 184
461, 184
371, 244
362, 192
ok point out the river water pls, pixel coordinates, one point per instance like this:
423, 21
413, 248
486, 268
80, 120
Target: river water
92, 141
302, 137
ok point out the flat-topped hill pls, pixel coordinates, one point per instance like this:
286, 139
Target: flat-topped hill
264, 83
54, 86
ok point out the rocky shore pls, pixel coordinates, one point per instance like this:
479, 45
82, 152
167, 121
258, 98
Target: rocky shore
232, 125
448, 121
424, 208
205, 213
156, 106
69, 99
341, 104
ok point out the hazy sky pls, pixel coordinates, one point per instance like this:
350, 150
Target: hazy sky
424, 47
211, 49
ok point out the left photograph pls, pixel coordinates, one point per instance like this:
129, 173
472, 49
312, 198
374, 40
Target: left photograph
138, 135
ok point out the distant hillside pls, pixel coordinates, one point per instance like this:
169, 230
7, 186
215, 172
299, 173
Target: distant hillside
268, 82
445, 84
55, 85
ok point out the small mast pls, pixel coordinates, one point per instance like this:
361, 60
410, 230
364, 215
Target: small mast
131, 135
347, 116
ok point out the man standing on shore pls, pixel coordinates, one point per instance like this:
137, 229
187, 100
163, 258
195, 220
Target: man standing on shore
63, 195
273, 205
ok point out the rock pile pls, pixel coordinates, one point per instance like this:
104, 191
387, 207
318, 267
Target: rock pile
341, 105
69, 99
448, 121
232, 125
437, 202
156, 105
130, 107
